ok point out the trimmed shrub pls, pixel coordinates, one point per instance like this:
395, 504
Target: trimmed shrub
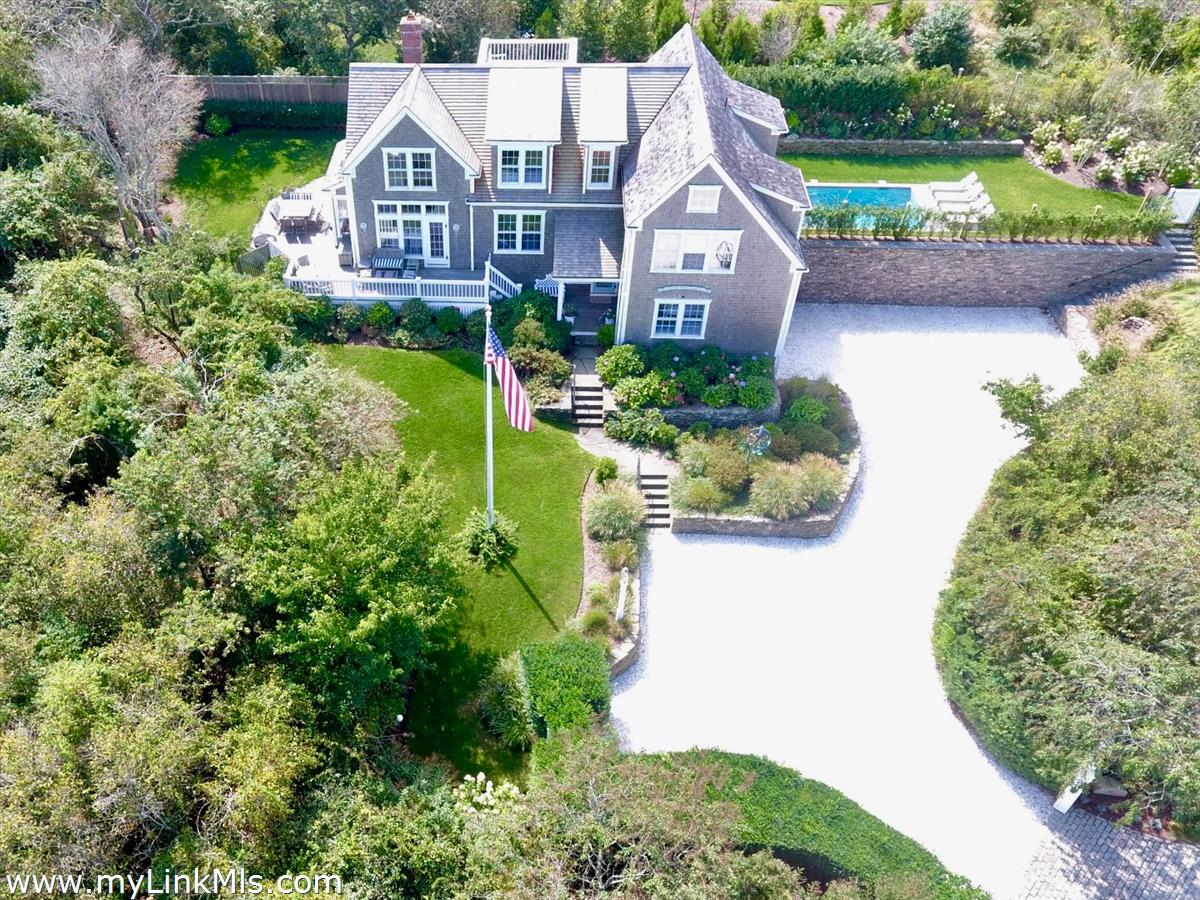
698, 494
814, 438
692, 382
380, 315
268, 114
505, 705
806, 409
756, 392
414, 316
567, 680
778, 493
728, 468
449, 320
596, 623
533, 362
620, 554
783, 445
217, 125
642, 428
615, 513
606, 470
492, 546
529, 333
350, 317
620, 362
1019, 45
606, 336
477, 327
639, 392
822, 479
718, 396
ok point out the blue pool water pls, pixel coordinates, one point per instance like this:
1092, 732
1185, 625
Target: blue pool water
859, 195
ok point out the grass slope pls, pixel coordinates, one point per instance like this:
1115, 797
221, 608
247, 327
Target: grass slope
810, 824
1013, 184
225, 182
539, 481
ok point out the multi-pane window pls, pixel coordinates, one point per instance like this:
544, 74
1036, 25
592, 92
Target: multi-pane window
408, 170
679, 319
600, 167
387, 224
519, 232
522, 167
703, 198
695, 251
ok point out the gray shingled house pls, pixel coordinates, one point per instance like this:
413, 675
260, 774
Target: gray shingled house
647, 194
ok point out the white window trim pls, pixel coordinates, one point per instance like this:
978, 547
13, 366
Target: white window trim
588, 150
396, 215
734, 236
523, 185
408, 152
698, 190
520, 214
681, 302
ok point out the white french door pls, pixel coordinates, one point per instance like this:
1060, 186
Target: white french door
423, 232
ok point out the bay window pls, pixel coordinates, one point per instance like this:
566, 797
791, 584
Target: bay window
708, 252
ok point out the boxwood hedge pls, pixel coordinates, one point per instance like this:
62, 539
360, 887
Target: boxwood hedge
567, 680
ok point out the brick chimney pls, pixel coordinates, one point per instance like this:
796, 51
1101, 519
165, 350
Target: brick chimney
410, 38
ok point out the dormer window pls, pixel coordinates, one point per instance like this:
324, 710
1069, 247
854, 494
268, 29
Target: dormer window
408, 169
523, 167
601, 166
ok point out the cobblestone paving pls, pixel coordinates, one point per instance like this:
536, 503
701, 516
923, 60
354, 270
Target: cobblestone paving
817, 653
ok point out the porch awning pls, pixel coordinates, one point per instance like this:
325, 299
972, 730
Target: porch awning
387, 258
587, 244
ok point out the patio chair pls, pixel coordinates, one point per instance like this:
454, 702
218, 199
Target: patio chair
962, 184
970, 192
409, 270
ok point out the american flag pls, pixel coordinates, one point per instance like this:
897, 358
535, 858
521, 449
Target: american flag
516, 404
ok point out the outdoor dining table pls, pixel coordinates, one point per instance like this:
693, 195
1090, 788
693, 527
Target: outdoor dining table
296, 213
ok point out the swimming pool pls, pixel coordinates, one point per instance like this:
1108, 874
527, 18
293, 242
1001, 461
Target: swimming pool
859, 195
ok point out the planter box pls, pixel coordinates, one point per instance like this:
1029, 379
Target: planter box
814, 526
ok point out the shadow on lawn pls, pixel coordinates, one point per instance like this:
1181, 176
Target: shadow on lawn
224, 167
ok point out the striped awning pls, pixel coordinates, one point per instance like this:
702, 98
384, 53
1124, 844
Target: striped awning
387, 258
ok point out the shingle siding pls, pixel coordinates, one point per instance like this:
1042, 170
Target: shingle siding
746, 308
522, 267
368, 185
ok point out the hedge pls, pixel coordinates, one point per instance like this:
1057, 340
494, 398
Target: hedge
567, 680
809, 824
811, 91
269, 114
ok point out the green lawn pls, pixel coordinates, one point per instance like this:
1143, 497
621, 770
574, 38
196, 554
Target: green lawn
1013, 184
539, 480
225, 182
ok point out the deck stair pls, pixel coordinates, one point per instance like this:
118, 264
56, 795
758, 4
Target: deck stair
654, 484
1182, 240
587, 401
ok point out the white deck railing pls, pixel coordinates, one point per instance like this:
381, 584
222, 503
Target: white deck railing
530, 50
437, 292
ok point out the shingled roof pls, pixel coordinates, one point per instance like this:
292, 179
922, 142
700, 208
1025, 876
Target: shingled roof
699, 124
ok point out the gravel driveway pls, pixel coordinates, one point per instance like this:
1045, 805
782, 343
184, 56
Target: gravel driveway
817, 654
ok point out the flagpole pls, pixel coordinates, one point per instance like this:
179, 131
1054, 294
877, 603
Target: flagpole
487, 334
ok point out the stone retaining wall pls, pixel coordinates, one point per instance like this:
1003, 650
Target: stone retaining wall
971, 273
897, 147
725, 417
818, 526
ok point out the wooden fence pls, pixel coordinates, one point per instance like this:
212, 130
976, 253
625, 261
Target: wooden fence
274, 88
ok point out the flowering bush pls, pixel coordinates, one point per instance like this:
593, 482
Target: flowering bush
1135, 165
718, 396
1083, 150
1044, 134
756, 392
1117, 140
477, 795
1052, 156
1106, 171
1073, 127
650, 389
622, 361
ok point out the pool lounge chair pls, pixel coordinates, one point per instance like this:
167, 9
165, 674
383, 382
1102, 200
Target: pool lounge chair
962, 184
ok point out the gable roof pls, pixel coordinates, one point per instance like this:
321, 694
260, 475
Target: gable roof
415, 97
699, 125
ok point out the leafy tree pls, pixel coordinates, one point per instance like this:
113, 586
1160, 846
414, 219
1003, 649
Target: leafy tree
669, 17
530, 12
546, 25
892, 23
355, 581
461, 23
1024, 404
943, 38
631, 30
585, 20
712, 24
331, 31
739, 43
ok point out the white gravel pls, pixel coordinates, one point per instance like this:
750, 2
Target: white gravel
817, 654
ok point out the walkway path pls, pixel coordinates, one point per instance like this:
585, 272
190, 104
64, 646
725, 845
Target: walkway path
817, 654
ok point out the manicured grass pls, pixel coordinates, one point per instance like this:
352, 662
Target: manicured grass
539, 481
1013, 184
225, 182
810, 824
